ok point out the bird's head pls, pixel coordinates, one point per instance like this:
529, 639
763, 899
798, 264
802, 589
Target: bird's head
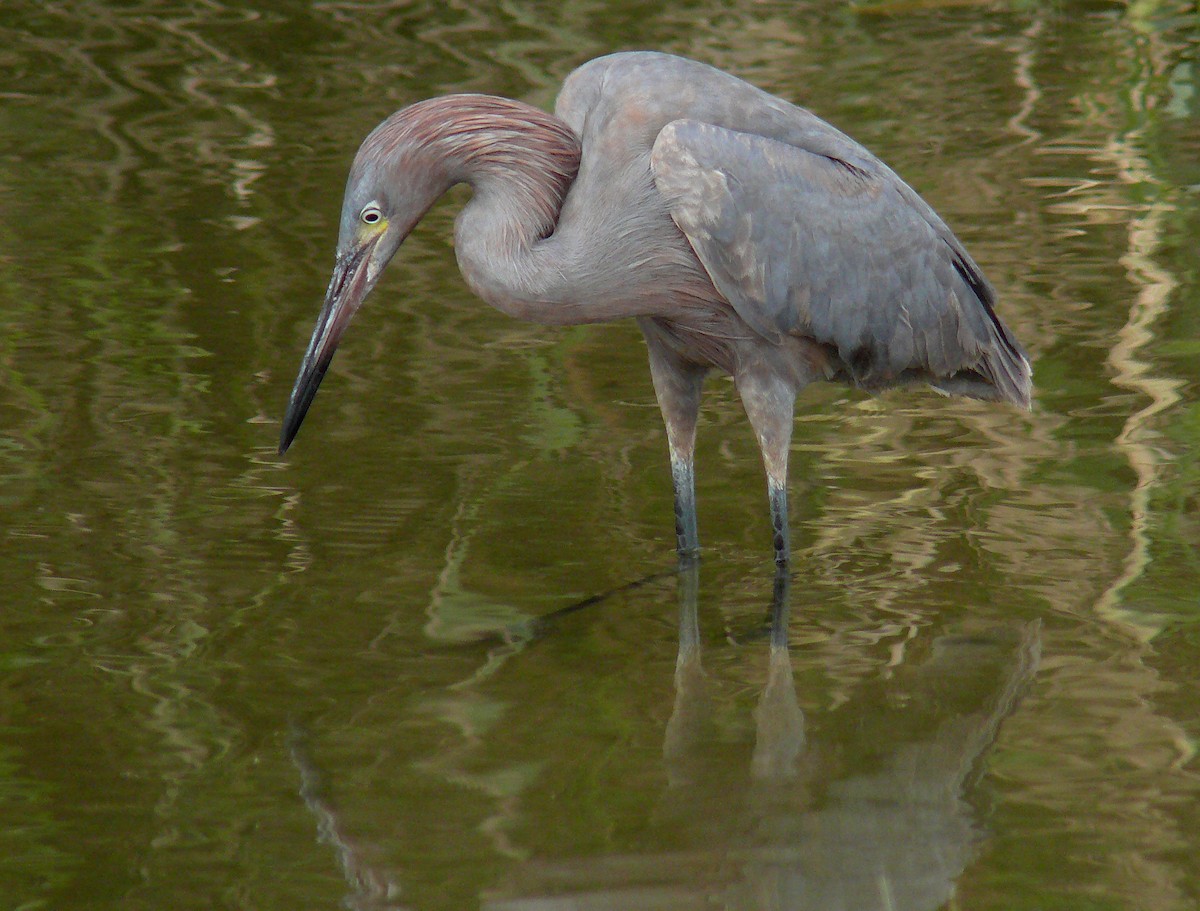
401, 169
386, 195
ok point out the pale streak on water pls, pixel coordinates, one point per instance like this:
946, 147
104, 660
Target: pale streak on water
1155, 285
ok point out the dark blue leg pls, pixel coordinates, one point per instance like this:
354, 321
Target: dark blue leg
769, 404
683, 480
677, 385
779, 522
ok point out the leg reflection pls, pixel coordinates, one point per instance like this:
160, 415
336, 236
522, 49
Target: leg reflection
692, 702
779, 721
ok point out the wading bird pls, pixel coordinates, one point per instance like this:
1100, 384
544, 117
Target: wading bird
743, 233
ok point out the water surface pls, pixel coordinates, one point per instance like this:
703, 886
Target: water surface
377, 673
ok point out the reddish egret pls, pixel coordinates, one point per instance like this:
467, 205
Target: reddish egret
743, 233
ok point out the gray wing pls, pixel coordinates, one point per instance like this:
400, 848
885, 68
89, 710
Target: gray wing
802, 241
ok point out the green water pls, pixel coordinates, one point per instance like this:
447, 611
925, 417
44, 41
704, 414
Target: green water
376, 674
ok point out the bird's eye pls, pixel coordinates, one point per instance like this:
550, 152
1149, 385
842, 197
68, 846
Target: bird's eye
371, 215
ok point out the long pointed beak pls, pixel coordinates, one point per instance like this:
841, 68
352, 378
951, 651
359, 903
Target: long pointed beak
347, 289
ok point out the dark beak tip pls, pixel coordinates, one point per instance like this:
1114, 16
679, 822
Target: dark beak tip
288, 432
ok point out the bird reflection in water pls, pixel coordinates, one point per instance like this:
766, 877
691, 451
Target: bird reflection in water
873, 812
878, 816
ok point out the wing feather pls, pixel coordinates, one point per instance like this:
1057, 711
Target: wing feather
839, 250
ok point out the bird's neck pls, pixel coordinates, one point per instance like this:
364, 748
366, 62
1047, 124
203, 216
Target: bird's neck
520, 163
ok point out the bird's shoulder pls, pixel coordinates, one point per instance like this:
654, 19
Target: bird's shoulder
632, 96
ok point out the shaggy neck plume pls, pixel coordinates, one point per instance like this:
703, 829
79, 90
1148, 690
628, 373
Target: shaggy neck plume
495, 145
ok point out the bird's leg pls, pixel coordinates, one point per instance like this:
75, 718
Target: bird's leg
777, 490
769, 404
683, 480
677, 384
681, 440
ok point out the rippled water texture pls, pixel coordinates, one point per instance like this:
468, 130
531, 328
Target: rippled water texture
439, 657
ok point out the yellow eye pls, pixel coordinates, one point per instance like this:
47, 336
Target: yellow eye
371, 214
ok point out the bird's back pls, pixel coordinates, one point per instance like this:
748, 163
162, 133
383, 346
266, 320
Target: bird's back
803, 232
